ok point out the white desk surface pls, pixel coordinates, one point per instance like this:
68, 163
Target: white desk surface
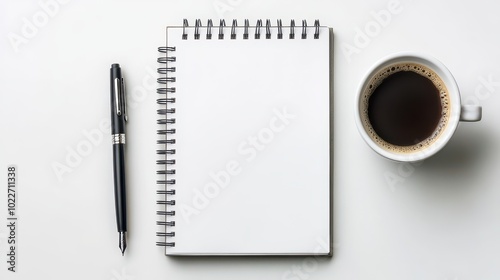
439, 221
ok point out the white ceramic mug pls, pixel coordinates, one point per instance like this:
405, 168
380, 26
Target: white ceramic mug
456, 111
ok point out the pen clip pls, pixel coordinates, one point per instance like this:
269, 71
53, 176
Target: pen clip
118, 89
124, 98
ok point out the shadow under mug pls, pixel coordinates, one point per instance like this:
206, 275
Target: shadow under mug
457, 111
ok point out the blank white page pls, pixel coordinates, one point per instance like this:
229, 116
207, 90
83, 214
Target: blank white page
252, 151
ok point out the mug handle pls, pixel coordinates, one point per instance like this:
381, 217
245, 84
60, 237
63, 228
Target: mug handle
471, 113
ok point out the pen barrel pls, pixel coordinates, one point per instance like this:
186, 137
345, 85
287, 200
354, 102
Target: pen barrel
119, 178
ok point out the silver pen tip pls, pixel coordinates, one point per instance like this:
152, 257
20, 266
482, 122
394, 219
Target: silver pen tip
123, 242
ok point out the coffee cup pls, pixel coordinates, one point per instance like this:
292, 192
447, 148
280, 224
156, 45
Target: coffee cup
408, 107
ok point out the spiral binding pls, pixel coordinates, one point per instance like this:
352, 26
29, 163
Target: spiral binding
166, 140
258, 27
166, 136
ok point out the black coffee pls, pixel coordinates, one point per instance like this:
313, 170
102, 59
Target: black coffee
406, 106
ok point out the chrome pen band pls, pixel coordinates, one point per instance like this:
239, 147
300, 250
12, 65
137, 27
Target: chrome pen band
118, 138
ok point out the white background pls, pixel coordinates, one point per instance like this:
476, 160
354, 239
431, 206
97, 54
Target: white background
438, 220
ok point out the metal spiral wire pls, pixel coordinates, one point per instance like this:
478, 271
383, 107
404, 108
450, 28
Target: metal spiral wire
233, 34
165, 142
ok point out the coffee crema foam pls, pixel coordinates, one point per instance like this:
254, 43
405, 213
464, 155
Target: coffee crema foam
378, 78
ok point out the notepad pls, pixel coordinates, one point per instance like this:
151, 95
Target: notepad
244, 139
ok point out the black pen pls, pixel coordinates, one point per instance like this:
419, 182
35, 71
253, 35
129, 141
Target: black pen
118, 119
